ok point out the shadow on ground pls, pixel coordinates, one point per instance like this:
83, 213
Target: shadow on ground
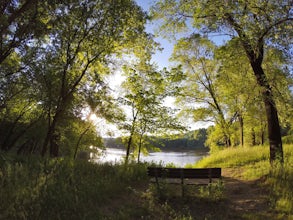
234, 199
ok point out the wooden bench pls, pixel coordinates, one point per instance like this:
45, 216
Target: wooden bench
199, 176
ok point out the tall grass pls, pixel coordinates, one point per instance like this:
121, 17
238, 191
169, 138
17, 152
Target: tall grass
235, 157
33, 188
281, 183
37, 188
253, 162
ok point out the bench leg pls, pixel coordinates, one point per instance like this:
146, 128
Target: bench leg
182, 186
158, 186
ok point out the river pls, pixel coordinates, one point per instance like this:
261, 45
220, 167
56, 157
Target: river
179, 159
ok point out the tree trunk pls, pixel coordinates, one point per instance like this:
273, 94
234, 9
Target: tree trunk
48, 140
255, 54
253, 142
140, 141
262, 137
274, 131
262, 131
51, 138
139, 149
228, 141
130, 137
54, 146
128, 147
241, 123
79, 140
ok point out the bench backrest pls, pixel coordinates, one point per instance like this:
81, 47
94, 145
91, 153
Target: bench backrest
190, 173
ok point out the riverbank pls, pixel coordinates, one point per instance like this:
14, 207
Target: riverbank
34, 188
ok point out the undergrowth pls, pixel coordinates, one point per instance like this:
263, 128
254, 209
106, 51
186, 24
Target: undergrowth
38, 188
34, 188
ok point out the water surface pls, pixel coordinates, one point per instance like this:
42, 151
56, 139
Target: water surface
179, 159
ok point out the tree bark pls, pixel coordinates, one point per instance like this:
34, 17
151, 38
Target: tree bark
79, 140
274, 131
128, 147
50, 138
139, 148
130, 137
241, 123
253, 142
140, 142
262, 137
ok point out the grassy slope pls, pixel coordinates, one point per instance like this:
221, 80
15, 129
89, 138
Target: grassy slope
253, 162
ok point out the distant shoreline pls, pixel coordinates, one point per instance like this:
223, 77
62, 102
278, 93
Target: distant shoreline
176, 145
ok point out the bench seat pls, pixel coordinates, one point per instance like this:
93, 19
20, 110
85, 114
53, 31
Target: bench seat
184, 176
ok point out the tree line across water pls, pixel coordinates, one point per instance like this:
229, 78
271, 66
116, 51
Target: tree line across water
193, 140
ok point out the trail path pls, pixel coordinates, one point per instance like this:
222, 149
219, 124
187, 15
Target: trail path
242, 200
246, 198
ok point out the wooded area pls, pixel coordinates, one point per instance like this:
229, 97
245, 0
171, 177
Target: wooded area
192, 140
56, 57
67, 66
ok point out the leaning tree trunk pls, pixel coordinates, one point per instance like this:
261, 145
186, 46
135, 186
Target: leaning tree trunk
274, 131
130, 139
255, 52
128, 147
134, 114
79, 140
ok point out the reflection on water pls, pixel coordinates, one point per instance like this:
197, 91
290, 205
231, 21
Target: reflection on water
179, 159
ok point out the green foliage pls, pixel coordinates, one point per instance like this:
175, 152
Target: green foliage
202, 93
256, 26
54, 59
33, 188
144, 92
214, 191
258, 19
20, 23
219, 83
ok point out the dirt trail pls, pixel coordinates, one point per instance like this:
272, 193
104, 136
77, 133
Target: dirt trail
242, 200
247, 198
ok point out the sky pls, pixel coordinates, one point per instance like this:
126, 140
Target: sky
161, 57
